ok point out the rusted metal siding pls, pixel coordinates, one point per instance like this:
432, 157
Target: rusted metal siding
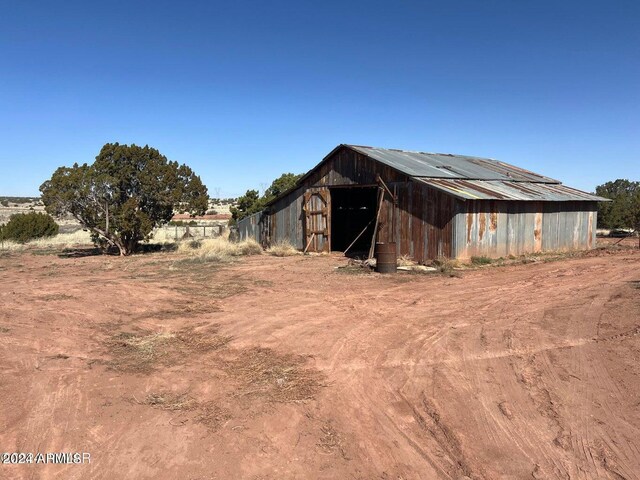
424, 221
501, 228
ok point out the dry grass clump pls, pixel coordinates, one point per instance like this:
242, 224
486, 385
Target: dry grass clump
279, 378
219, 249
170, 401
204, 340
283, 249
207, 413
445, 265
406, 261
138, 352
67, 240
143, 352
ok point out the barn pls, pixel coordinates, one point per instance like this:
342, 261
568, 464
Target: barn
430, 204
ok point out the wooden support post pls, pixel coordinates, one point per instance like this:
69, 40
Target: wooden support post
375, 228
309, 242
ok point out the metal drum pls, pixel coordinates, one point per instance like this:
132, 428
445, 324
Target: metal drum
386, 259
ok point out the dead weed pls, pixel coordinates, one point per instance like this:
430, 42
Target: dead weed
170, 401
216, 291
203, 340
277, 377
331, 441
180, 309
208, 413
212, 416
139, 352
55, 296
143, 351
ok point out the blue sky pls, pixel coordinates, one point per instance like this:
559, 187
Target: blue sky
243, 91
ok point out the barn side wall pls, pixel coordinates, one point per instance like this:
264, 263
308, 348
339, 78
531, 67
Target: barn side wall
502, 228
250, 227
421, 224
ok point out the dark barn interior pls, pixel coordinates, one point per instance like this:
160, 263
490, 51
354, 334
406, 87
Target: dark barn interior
352, 209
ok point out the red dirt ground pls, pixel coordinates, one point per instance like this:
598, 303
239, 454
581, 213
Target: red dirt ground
524, 371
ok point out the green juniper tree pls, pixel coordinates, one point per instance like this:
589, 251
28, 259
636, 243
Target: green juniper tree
251, 202
126, 193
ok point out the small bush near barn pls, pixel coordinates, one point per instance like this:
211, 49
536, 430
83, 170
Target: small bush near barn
23, 227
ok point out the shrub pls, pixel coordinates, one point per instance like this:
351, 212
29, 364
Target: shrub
23, 227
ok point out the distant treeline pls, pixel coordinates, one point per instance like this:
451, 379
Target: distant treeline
20, 200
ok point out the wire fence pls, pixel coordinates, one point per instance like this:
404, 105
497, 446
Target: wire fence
175, 232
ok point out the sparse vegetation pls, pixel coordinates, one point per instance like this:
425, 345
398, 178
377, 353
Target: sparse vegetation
170, 401
144, 351
279, 378
208, 413
405, 261
62, 240
138, 352
481, 260
218, 249
331, 441
283, 249
5, 201
445, 265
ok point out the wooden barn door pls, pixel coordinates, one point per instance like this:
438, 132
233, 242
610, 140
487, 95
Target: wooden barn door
317, 226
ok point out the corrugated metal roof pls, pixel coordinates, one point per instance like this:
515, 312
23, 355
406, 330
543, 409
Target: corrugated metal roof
466, 177
509, 190
444, 165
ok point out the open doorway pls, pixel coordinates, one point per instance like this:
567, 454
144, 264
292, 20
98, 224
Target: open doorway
352, 208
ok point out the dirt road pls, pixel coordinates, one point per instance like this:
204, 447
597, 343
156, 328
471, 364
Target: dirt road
278, 368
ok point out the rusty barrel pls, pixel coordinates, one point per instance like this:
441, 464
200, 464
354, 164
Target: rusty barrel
386, 260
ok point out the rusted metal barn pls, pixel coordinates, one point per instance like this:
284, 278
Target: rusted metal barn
429, 204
